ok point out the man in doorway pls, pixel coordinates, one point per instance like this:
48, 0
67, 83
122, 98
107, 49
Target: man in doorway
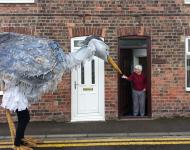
138, 90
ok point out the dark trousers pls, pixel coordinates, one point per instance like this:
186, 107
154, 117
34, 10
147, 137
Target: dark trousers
23, 119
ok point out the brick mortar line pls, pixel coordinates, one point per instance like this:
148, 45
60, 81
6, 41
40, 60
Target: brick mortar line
95, 15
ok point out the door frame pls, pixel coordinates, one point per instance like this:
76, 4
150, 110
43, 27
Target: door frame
101, 89
148, 47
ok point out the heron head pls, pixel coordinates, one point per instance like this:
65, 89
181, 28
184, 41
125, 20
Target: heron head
96, 43
101, 50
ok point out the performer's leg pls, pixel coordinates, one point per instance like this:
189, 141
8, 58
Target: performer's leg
23, 119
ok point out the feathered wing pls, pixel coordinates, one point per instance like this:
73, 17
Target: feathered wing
19, 54
30, 62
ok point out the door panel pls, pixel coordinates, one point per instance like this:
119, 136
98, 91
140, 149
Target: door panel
87, 94
87, 88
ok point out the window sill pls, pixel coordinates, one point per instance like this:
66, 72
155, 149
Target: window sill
187, 89
17, 1
186, 2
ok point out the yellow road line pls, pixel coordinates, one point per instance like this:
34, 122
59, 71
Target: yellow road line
119, 140
6, 147
109, 140
112, 144
119, 143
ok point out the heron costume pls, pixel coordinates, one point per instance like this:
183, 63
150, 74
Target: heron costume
31, 66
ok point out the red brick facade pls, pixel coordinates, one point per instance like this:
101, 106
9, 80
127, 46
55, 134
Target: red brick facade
165, 22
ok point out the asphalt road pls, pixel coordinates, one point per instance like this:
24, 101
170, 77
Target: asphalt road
152, 147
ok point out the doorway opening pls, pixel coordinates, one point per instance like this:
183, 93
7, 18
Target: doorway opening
133, 51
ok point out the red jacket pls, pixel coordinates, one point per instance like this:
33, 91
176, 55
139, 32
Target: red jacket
138, 81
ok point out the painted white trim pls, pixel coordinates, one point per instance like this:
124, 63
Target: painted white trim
17, 1
186, 54
73, 77
101, 90
187, 1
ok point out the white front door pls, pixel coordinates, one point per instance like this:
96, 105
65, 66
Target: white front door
87, 80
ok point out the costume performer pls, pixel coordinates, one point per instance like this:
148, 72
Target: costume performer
31, 66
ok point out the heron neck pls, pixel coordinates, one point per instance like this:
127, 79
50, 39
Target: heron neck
74, 59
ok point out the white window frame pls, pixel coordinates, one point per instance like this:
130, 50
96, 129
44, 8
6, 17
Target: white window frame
187, 53
16, 1
187, 1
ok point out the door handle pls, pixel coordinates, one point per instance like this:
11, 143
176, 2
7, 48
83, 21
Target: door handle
75, 84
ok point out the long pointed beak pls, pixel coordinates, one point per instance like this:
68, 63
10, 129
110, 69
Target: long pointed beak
114, 65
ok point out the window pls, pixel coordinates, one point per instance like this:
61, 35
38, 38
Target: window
82, 73
187, 62
17, 1
93, 71
131, 42
187, 1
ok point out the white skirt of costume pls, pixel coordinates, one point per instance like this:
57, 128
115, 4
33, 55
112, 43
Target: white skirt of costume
13, 99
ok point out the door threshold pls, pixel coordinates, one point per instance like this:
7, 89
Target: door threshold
135, 118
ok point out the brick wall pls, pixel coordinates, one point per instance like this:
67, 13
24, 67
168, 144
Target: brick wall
166, 22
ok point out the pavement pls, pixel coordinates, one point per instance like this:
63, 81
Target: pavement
130, 128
